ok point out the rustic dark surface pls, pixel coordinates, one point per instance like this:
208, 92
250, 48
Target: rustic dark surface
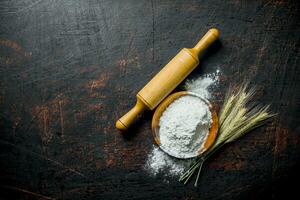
69, 69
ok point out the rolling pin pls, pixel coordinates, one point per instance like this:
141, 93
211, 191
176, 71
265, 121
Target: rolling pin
165, 81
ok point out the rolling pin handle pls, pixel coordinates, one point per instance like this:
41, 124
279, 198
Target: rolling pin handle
124, 122
206, 40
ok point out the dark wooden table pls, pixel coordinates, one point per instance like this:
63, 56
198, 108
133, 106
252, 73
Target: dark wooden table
70, 68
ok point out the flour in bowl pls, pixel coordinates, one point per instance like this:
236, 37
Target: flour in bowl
184, 126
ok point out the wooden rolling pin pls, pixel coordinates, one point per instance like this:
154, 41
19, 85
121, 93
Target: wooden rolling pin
167, 79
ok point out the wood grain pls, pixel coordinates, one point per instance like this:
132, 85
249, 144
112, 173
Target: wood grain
69, 68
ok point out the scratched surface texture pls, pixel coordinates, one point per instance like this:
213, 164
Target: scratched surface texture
69, 69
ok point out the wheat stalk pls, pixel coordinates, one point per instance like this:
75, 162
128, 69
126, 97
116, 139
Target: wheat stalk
236, 118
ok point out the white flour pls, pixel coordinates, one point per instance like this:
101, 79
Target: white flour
184, 126
201, 84
160, 162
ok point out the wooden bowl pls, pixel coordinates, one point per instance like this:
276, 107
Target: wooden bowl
161, 108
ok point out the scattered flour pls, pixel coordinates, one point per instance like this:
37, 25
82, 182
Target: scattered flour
160, 162
201, 85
